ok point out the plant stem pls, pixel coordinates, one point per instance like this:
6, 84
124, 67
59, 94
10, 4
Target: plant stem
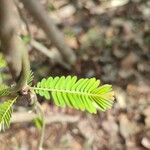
73, 92
41, 113
13, 48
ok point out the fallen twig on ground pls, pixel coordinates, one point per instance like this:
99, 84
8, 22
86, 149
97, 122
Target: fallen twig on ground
28, 117
54, 55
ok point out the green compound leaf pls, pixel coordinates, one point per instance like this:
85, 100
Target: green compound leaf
4, 90
82, 94
5, 113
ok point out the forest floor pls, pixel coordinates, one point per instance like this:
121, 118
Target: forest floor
112, 42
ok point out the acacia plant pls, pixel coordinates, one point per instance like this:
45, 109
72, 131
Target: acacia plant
85, 94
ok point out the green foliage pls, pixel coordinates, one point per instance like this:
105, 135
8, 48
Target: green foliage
51, 7
82, 94
30, 78
5, 113
69, 32
38, 121
2, 61
4, 90
2, 65
26, 39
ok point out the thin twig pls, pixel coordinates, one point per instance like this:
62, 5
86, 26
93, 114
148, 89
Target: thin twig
46, 23
41, 114
23, 117
54, 56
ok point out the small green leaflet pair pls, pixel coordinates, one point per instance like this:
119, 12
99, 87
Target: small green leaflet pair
83, 94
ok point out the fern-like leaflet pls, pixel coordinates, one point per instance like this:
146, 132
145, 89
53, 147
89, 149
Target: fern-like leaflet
4, 90
83, 94
5, 113
30, 78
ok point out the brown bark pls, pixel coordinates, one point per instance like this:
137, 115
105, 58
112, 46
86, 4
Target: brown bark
8, 35
11, 44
